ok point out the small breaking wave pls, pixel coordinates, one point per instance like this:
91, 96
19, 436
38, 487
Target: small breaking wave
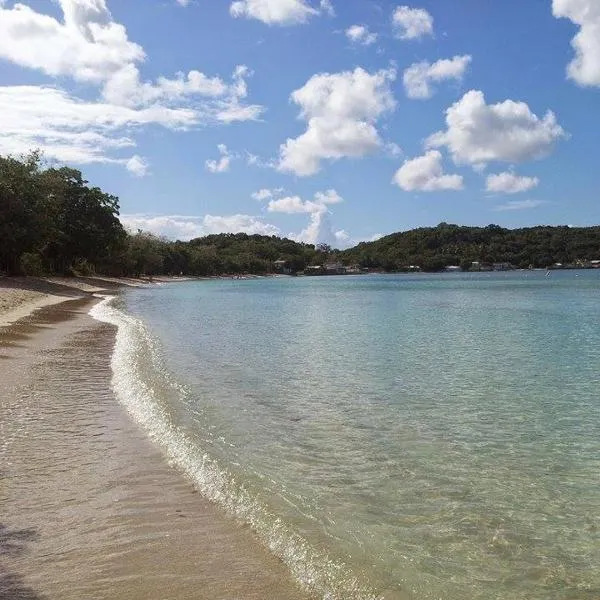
143, 386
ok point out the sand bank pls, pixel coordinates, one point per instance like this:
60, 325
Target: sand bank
90, 509
21, 296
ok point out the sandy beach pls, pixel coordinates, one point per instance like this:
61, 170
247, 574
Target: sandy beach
90, 507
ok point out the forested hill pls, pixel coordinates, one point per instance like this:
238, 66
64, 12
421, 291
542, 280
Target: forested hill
53, 221
433, 248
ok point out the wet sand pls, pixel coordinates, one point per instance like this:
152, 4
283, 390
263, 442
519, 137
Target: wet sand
88, 507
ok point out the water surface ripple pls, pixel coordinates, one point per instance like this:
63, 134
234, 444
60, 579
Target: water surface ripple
434, 436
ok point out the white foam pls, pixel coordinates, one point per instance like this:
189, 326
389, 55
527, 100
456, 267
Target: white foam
135, 348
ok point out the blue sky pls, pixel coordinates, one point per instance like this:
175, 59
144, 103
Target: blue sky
326, 121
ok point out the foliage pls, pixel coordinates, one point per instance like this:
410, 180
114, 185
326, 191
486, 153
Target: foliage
30, 263
52, 221
53, 214
433, 248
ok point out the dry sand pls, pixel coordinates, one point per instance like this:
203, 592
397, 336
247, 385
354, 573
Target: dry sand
21, 296
90, 509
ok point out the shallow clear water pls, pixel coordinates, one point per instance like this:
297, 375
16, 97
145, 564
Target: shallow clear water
432, 436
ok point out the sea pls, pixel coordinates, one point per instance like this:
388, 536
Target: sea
423, 436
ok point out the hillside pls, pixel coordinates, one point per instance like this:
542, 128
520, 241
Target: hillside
433, 248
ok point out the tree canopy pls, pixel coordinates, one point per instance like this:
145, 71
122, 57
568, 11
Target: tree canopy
53, 221
434, 248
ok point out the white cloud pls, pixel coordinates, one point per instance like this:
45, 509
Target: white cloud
183, 2
252, 160
291, 205
185, 227
263, 195
88, 46
328, 197
319, 229
360, 34
233, 111
73, 131
508, 131
584, 69
419, 76
393, 150
295, 205
341, 110
412, 23
126, 88
509, 183
327, 8
275, 12
426, 174
520, 205
137, 165
222, 164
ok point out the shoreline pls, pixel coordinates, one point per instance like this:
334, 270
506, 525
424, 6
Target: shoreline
92, 509
20, 297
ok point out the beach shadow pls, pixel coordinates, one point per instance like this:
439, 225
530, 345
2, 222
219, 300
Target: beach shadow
13, 543
33, 284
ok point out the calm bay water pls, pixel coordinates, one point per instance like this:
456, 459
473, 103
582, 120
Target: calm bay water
432, 436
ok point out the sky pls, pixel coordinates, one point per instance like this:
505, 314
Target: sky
326, 121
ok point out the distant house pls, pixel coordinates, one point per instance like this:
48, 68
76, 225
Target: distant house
504, 266
353, 270
480, 266
314, 270
334, 268
282, 266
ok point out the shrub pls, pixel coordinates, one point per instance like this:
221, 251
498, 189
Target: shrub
82, 268
31, 264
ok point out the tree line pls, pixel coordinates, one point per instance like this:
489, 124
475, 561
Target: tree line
434, 248
52, 221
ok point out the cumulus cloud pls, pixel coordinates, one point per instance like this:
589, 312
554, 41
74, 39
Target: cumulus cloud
360, 34
222, 164
87, 45
479, 133
90, 47
419, 77
584, 69
319, 229
183, 227
295, 205
412, 23
341, 110
426, 174
509, 183
263, 194
277, 12
137, 165
520, 205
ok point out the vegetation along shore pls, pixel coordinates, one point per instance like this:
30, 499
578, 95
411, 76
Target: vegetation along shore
52, 221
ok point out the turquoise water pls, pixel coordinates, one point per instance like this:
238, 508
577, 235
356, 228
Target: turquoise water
431, 436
